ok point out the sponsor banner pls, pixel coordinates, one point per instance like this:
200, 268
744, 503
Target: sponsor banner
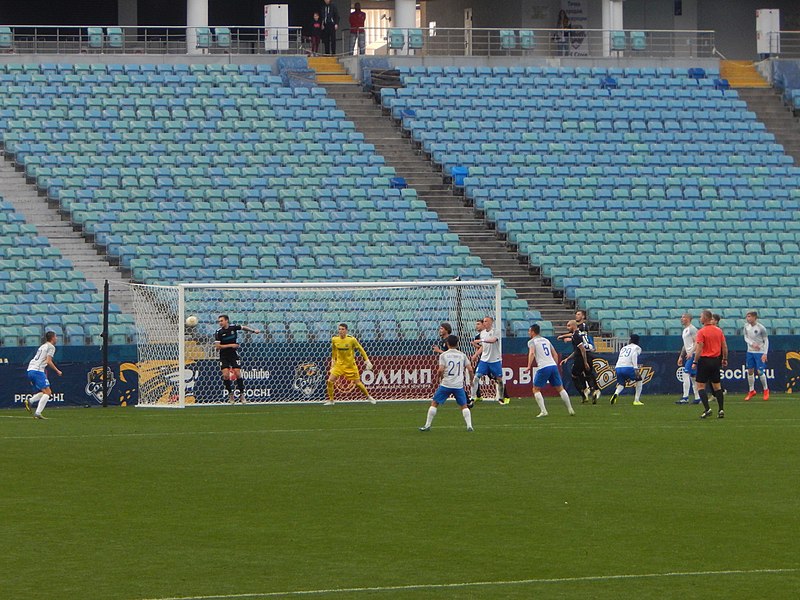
300, 375
80, 385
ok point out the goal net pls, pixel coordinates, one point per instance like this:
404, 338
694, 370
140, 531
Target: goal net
289, 360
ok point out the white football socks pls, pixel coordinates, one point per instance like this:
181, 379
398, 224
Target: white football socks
565, 397
638, 388
619, 389
751, 381
763, 378
476, 382
540, 402
696, 391
42, 404
687, 382
431, 414
467, 417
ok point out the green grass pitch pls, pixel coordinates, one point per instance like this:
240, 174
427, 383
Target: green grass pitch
352, 501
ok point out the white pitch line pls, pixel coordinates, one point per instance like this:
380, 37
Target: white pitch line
468, 584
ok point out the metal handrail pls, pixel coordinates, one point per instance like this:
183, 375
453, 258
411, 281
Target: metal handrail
438, 41
167, 39
786, 44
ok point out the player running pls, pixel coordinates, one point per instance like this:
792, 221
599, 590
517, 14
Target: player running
542, 354
454, 373
343, 363
37, 375
686, 359
225, 339
755, 336
490, 363
627, 369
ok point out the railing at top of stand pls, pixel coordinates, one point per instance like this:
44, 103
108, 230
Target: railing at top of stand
580, 43
40, 39
588, 43
786, 44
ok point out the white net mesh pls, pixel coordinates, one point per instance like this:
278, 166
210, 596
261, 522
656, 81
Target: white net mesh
396, 323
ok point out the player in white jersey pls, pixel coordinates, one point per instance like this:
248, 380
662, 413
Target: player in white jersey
755, 336
491, 362
454, 373
686, 360
628, 370
543, 355
37, 375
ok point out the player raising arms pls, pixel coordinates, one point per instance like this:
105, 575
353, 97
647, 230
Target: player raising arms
343, 363
453, 373
543, 355
229, 361
491, 362
755, 336
38, 376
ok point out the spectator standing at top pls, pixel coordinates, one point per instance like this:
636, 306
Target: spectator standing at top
330, 25
357, 32
561, 38
316, 32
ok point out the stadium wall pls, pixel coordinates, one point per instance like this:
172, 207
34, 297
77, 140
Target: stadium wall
82, 367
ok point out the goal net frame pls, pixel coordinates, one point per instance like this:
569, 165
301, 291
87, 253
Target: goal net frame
154, 317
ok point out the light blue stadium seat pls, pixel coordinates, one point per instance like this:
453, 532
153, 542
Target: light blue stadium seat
508, 39
618, 40
397, 39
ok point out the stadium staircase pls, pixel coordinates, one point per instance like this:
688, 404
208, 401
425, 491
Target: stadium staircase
329, 70
420, 175
741, 74
49, 223
771, 111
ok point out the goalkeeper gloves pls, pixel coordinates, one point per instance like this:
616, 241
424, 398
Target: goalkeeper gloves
368, 365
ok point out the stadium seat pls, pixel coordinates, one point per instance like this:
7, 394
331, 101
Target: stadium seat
397, 39
114, 37
638, 40
415, 39
618, 40
222, 36
6, 38
95, 37
508, 39
203, 37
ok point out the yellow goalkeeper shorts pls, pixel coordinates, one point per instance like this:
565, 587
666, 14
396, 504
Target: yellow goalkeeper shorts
350, 373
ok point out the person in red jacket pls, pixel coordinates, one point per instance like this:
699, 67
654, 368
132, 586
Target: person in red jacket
357, 33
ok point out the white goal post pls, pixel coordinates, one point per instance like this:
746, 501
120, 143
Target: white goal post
397, 323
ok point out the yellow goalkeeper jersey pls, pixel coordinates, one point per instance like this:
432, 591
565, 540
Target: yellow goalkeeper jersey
343, 352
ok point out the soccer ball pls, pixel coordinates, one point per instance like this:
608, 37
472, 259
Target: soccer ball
191, 321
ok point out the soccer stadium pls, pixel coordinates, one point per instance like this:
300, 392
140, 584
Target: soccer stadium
270, 245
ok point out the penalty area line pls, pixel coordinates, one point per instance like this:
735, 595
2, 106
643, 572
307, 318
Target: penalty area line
475, 584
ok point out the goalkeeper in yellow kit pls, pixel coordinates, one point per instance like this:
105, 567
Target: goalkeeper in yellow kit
343, 362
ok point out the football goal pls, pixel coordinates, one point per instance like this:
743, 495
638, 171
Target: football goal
288, 360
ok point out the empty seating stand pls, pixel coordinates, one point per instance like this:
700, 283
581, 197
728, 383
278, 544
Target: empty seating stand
181, 172
635, 168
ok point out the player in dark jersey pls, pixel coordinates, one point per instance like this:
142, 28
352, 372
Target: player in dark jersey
582, 367
227, 344
445, 330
